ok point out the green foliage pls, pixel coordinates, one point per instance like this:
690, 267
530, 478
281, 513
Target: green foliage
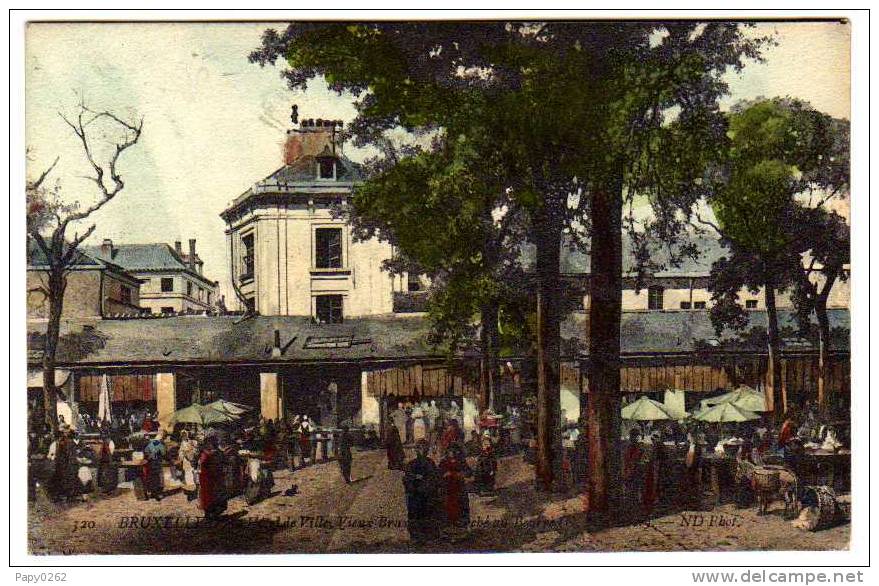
784, 162
523, 114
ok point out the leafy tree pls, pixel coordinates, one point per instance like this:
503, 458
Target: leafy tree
50, 216
578, 115
781, 154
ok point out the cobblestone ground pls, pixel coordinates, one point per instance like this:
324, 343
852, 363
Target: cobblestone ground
369, 515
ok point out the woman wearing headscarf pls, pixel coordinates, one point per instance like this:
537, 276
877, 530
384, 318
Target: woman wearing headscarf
305, 441
187, 453
154, 455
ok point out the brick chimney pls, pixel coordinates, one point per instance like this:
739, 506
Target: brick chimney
178, 248
191, 258
107, 248
311, 138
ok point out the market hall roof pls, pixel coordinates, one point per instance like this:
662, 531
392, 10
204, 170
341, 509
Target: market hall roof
229, 339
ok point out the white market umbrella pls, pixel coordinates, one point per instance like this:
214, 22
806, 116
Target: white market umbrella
725, 413
646, 409
743, 397
104, 411
228, 407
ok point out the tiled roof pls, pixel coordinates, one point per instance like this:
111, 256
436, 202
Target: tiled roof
223, 339
142, 257
37, 259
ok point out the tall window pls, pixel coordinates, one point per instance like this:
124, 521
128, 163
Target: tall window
247, 259
167, 284
328, 309
654, 297
328, 248
413, 283
126, 295
188, 289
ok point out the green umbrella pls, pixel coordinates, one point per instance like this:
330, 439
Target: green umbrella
228, 407
200, 415
645, 409
725, 413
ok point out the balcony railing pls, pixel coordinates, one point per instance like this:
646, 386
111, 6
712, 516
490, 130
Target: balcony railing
410, 301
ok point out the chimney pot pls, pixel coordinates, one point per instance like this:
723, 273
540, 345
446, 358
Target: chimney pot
192, 254
178, 247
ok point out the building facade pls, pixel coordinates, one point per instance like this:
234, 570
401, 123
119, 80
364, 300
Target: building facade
95, 288
290, 252
684, 287
172, 281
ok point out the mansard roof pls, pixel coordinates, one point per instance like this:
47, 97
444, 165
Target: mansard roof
300, 176
151, 257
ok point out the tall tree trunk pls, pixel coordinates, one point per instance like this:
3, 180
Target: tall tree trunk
823, 351
773, 367
53, 330
605, 315
820, 306
548, 239
488, 363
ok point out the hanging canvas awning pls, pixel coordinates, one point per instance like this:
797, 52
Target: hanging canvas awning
35, 378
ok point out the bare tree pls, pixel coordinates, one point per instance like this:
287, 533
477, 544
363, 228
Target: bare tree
49, 218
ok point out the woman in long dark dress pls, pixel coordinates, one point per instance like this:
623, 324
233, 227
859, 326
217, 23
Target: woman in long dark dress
394, 446
211, 490
65, 480
421, 481
486, 467
154, 455
108, 472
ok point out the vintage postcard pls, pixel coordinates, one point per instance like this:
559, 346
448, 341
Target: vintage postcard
438, 286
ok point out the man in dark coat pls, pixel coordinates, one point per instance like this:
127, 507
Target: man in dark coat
421, 481
345, 457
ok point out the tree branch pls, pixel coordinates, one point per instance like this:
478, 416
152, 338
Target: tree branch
39, 181
79, 128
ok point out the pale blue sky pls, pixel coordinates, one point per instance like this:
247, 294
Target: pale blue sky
214, 123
